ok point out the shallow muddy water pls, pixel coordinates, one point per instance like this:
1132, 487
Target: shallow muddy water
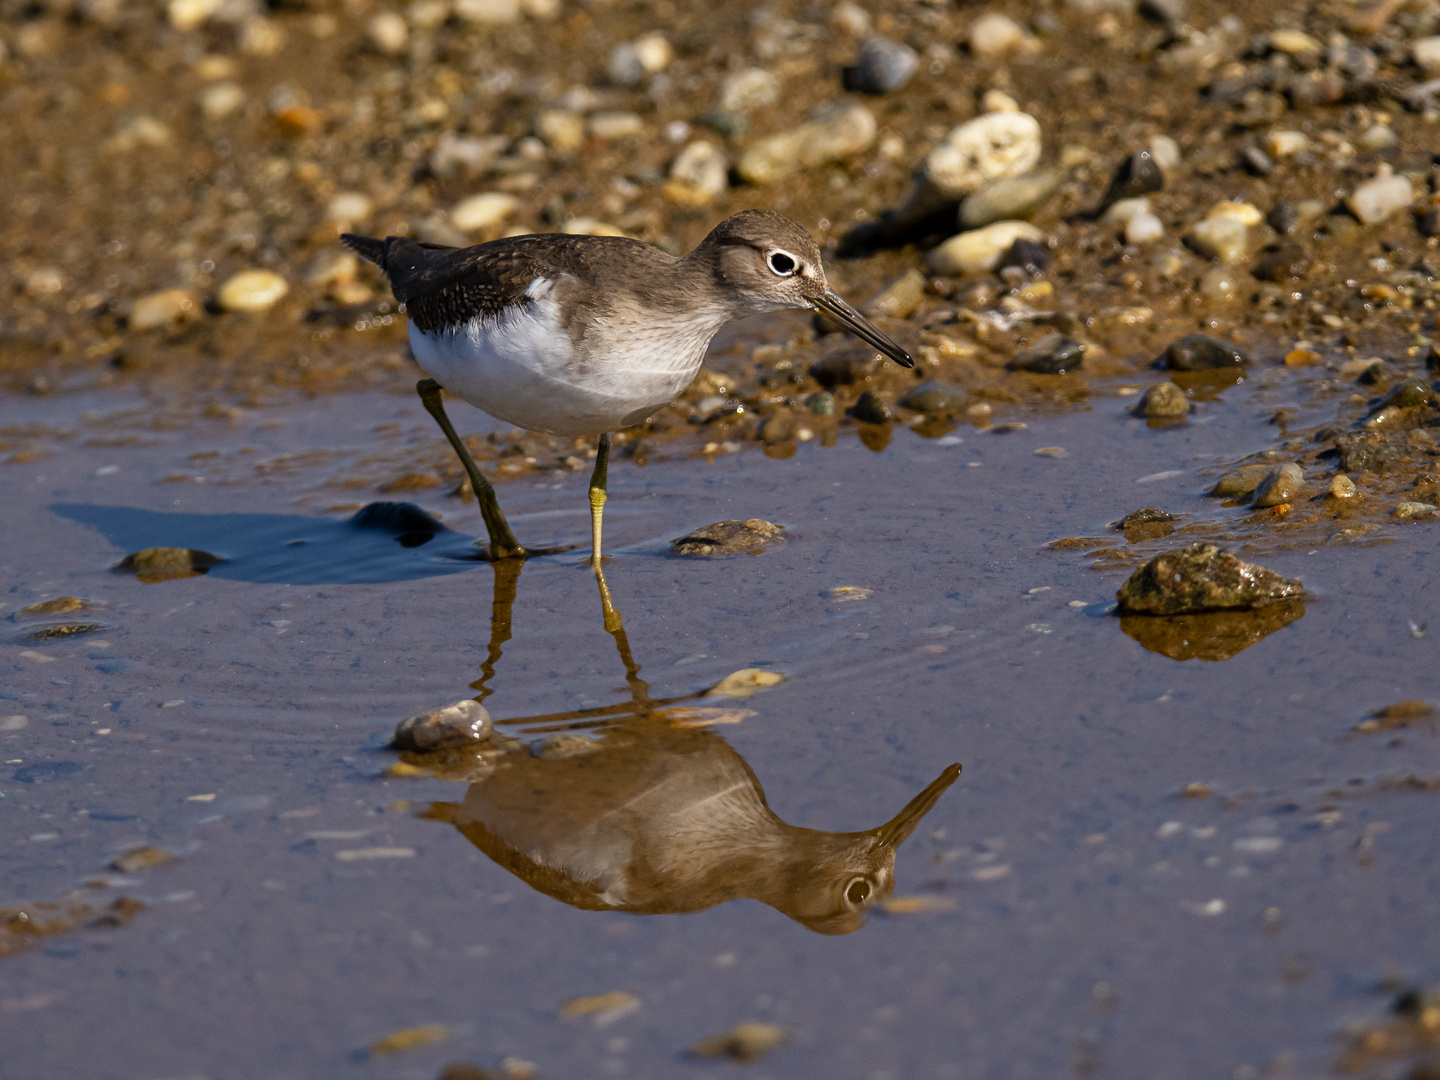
1063, 908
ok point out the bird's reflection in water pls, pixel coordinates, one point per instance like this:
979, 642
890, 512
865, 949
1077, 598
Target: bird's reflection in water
640, 807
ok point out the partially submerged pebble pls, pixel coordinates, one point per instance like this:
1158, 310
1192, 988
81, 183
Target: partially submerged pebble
870, 408
1201, 352
449, 727
1282, 484
164, 564
837, 131
142, 858
745, 683
935, 398
881, 67
980, 250
1415, 509
61, 605
1162, 401
749, 537
1378, 198
164, 308
252, 291
1054, 354
1149, 523
1241, 481
1341, 487
743, 1042
1202, 577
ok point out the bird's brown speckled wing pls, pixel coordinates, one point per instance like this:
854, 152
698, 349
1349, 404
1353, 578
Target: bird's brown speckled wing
448, 287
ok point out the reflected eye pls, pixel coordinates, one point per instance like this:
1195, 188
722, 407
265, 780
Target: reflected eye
858, 891
783, 263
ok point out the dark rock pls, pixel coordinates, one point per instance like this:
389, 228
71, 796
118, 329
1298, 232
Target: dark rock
52, 631
1283, 217
821, 403
729, 538
726, 123
1366, 452
1029, 256
1256, 161
871, 409
1377, 374
1287, 262
842, 362
1137, 175
1202, 577
1146, 524
449, 727
1170, 14
410, 525
936, 398
1429, 223
1212, 636
1201, 352
1410, 394
881, 66
165, 564
1054, 354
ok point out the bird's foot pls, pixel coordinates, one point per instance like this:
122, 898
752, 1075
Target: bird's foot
489, 553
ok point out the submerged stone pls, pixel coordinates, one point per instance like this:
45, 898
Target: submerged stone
1212, 636
164, 564
1202, 577
871, 409
1163, 401
1054, 354
935, 398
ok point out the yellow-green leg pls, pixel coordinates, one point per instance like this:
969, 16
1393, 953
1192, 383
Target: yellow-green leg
598, 480
503, 544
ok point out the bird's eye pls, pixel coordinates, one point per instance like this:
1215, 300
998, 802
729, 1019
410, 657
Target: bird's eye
783, 263
858, 891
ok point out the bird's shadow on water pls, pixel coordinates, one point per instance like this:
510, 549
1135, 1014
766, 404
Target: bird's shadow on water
383, 542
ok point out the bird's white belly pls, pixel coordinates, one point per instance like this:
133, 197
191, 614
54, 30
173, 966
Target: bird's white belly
522, 368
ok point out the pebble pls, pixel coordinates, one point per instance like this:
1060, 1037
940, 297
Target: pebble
1162, 400
979, 251
778, 427
349, 207
464, 723
1256, 161
1221, 238
1282, 484
1377, 137
900, 298
1166, 152
747, 90
1202, 577
1293, 42
1283, 144
1228, 210
749, 537
1218, 283
1426, 53
870, 408
990, 147
483, 211
1150, 523
998, 101
468, 155
936, 398
1026, 255
44, 281
881, 66
703, 168
221, 99
61, 605
1054, 354
1143, 228
993, 35
1200, 352
821, 403
191, 14
163, 308
388, 32
616, 125
838, 131
1010, 198
1380, 197
1341, 487
1138, 174
252, 290
561, 130
1122, 210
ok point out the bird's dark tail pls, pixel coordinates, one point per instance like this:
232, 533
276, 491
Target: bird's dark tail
367, 247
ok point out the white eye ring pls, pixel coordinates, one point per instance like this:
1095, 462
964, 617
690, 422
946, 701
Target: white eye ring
782, 263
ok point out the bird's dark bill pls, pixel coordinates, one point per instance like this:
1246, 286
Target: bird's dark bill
831, 306
894, 832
